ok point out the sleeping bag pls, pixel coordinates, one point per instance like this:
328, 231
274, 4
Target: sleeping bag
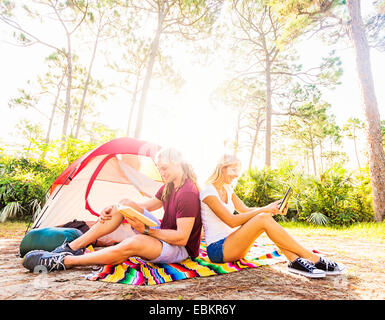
47, 239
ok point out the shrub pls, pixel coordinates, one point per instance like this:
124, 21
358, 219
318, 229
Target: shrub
318, 218
337, 197
257, 187
24, 182
23, 185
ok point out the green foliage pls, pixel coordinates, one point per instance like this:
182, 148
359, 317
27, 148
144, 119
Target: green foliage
318, 218
64, 153
24, 181
362, 194
352, 127
257, 187
337, 197
23, 185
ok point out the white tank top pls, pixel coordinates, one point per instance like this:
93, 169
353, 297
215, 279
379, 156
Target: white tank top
214, 228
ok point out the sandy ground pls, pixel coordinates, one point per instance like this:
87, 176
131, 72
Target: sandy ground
365, 279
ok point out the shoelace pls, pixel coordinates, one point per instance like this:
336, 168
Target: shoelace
54, 262
306, 263
64, 246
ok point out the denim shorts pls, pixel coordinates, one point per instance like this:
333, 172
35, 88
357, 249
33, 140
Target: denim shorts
171, 254
215, 251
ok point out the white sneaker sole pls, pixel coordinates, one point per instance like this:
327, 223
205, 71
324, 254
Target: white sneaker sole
342, 269
335, 273
307, 274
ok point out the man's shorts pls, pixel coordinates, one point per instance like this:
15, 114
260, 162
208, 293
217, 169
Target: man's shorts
171, 254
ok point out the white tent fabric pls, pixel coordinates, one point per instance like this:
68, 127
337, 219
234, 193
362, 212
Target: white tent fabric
117, 180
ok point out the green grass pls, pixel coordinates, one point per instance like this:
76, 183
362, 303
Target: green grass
12, 229
369, 231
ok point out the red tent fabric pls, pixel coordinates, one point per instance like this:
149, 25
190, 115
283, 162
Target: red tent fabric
124, 145
120, 168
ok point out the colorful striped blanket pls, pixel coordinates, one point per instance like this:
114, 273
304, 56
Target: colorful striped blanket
136, 271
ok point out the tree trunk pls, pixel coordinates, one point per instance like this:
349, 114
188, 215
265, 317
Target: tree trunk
312, 154
255, 139
150, 65
237, 130
258, 123
47, 138
313, 157
68, 92
86, 83
133, 103
355, 148
374, 137
268, 114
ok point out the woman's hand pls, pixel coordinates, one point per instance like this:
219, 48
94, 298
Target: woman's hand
273, 207
284, 211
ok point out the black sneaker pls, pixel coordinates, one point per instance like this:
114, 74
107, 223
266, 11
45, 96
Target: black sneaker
330, 267
66, 248
51, 261
306, 268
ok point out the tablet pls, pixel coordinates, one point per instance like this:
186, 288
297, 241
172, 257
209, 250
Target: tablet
285, 199
130, 212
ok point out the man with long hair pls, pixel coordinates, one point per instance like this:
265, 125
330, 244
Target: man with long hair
177, 238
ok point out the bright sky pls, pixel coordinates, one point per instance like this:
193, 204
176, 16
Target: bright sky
187, 120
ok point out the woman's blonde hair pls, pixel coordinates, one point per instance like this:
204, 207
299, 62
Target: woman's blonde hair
225, 161
170, 155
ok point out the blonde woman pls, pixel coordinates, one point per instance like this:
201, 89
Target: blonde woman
229, 236
177, 238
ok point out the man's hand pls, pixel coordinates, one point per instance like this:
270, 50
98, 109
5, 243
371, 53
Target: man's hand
136, 224
106, 214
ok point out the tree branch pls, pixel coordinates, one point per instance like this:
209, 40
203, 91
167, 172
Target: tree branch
16, 26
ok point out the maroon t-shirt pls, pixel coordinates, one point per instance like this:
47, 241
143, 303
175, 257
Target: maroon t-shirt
183, 203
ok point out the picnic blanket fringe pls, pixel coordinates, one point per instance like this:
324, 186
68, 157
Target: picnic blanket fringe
136, 271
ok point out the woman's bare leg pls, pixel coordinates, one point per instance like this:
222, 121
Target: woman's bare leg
238, 243
288, 254
98, 230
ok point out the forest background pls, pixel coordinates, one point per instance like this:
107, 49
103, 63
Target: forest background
278, 83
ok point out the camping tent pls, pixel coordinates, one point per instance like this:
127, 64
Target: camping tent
119, 169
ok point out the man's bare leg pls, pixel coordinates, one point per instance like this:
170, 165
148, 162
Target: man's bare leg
140, 245
98, 230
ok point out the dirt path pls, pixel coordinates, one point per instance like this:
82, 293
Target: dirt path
365, 278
